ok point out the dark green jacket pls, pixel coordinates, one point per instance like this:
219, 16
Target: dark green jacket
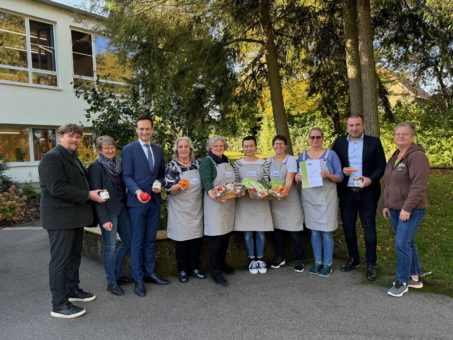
64, 191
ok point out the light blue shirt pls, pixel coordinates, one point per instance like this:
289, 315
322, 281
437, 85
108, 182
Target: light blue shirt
355, 152
145, 149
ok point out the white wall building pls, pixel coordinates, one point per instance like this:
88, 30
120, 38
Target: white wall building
44, 48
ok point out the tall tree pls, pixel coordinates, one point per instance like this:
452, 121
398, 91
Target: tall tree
352, 56
367, 67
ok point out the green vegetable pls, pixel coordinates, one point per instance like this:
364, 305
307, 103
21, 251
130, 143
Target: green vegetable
250, 183
276, 183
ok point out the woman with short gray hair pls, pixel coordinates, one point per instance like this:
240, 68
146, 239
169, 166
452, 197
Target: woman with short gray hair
106, 173
215, 170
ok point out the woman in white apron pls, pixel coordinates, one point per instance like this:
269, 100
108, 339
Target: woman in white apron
321, 203
253, 217
286, 213
185, 209
215, 170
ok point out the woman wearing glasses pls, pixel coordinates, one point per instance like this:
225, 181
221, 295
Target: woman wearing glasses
321, 203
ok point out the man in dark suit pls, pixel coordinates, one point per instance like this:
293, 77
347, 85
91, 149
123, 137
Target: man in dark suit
65, 211
143, 172
363, 161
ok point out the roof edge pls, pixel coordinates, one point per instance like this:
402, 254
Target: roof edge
71, 9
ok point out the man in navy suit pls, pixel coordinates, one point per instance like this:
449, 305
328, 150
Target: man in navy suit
143, 164
363, 160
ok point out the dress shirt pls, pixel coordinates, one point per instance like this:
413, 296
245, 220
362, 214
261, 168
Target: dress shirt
355, 152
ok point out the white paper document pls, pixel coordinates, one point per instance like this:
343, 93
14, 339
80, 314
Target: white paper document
310, 171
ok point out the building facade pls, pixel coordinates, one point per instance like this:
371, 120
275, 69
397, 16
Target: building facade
45, 48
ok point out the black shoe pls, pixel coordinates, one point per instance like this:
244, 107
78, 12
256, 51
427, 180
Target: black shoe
124, 280
67, 311
81, 295
227, 269
115, 289
182, 276
198, 274
154, 278
351, 265
140, 289
371, 273
278, 262
219, 279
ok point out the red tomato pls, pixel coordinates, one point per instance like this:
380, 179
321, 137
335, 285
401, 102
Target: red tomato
144, 196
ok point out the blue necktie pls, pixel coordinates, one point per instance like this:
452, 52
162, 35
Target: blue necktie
150, 156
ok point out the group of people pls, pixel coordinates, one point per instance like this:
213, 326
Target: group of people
124, 198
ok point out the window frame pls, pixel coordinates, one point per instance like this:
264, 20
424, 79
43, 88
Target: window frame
94, 78
29, 69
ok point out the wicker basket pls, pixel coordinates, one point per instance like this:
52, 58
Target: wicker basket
255, 196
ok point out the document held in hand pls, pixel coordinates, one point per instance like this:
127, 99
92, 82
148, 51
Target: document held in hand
310, 171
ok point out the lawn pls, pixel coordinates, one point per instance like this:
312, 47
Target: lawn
434, 239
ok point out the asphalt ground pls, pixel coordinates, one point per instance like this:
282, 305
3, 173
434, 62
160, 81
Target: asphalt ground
281, 304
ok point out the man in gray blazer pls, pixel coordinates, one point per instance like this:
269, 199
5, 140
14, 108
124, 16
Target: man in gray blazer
65, 211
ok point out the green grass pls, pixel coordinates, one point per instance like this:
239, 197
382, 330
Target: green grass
434, 239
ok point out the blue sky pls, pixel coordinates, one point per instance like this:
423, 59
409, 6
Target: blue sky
75, 3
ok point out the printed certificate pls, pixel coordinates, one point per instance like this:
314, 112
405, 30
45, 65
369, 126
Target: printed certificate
310, 171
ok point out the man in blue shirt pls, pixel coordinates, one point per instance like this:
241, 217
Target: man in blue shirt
363, 161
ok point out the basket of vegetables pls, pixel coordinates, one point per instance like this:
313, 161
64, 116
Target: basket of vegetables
257, 190
229, 190
277, 189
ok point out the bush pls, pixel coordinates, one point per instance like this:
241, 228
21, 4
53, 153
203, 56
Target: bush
12, 207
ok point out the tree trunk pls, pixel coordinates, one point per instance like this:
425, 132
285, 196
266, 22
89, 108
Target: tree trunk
367, 67
273, 74
352, 56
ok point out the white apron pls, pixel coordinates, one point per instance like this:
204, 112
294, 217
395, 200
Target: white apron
286, 213
185, 210
252, 215
219, 216
321, 203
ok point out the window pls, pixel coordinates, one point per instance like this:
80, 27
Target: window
43, 141
14, 145
27, 52
94, 57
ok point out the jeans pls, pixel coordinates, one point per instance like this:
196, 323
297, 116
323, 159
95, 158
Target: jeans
322, 240
296, 241
407, 262
365, 204
113, 257
260, 241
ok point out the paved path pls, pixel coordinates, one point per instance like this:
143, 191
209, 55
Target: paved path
279, 305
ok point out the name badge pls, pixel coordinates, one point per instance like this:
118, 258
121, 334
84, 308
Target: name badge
195, 181
275, 173
251, 173
228, 174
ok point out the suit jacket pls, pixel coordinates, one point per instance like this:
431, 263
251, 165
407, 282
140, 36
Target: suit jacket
137, 173
373, 161
100, 178
64, 191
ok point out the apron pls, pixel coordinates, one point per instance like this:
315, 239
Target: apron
287, 213
321, 203
185, 210
219, 216
252, 215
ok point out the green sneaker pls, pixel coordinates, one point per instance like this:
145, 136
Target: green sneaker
314, 270
325, 271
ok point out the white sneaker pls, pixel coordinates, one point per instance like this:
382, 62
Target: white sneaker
261, 266
253, 267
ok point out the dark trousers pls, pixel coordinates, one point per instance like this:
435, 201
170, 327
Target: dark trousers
65, 257
296, 242
217, 248
363, 203
188, 254
144, 221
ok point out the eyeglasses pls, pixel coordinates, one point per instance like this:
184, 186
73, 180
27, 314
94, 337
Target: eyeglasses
315, 137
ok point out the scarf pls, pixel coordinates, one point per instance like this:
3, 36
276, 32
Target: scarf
217, 159
113, 166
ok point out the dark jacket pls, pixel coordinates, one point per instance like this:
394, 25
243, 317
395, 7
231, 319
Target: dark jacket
373, 162
100, 178
407, 182
64, 191
137, 173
